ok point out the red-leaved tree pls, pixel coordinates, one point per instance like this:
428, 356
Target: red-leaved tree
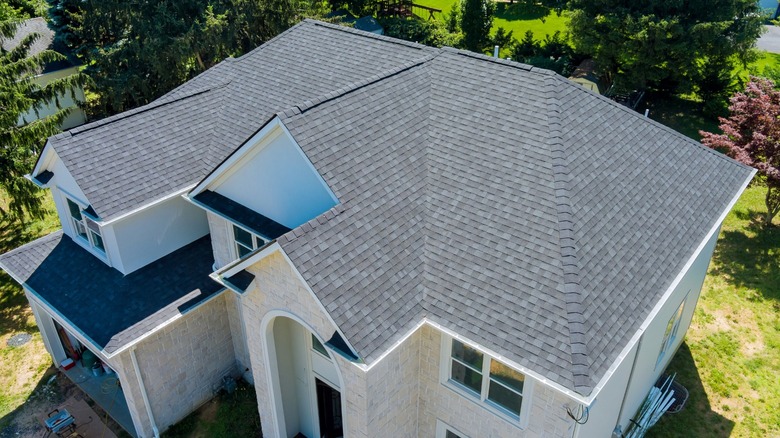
751, 135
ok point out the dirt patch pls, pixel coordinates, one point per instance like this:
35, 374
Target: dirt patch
52, 390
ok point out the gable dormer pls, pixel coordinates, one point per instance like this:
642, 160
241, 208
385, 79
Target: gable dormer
127, 242
264, 189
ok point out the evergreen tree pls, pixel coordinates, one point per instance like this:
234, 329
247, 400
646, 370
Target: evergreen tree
475, 22
138, 51
661, 44
65, 19
21, 140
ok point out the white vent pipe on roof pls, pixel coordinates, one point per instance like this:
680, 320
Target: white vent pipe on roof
495, 52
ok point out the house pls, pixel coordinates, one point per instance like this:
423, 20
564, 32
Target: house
52, 71
387, 239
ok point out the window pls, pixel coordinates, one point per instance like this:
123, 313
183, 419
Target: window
85, 228
444, 430
246, 242
317, 346
670, 334
492, 382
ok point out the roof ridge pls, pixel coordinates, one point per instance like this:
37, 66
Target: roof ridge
317, 101
158, 103
500, 61
51, 236
572, 290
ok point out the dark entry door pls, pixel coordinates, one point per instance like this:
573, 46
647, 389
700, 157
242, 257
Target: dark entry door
329, 409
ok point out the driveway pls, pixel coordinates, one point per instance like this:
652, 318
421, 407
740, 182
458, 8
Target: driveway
770, 41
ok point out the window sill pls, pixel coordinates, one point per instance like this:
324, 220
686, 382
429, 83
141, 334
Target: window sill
84, 243
487, 405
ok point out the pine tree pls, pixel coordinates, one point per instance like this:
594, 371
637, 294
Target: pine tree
21, 140
475, 22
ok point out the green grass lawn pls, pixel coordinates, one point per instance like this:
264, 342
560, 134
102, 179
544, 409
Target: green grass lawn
730, 361
517, 17
24, 366
226, 416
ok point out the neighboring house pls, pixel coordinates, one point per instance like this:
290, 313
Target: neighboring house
51, 72
387, 239
585, 75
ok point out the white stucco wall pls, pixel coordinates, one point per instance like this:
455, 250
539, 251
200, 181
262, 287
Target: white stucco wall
646, 371
277, 180
154, 232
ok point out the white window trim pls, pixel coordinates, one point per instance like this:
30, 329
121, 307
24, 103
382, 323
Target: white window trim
675, 320
235, 245
442, 428
86, 242
481, 400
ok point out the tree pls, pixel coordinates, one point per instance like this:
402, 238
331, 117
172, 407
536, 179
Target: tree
475, 22
137, 51
21, 140
751, 135
661, 44
66, 19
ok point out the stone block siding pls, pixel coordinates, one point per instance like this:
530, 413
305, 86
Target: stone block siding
548, 416
393, 391
123, 365
277, 287
233, 303
221, 239
182, 364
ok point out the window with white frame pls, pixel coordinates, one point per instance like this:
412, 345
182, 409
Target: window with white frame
670, 334
492, 382
245, 242
317, 346
444, 430
85, 228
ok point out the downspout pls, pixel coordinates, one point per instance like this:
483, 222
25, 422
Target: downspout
143, 393
628, 386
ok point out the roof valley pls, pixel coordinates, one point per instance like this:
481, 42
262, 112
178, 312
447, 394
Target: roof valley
568, 245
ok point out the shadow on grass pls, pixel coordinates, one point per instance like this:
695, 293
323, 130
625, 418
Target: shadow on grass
521, 10
683, 115
697, 417
226, 416
41, 400
14, 316
751, 261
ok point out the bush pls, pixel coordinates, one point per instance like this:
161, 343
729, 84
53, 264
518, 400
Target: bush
430, 33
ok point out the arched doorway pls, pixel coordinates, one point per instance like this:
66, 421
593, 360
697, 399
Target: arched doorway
306, 383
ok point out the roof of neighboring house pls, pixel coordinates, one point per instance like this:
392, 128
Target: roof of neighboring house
496, 199
110, 308
45, 41
134, 158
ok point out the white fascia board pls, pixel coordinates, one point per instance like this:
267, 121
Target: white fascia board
248, 149
43, 162
239, 265
668, 293
148, 205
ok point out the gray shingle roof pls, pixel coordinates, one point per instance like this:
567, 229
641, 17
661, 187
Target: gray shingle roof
503, 202
126, 161
496, 199
120, 308
45, 41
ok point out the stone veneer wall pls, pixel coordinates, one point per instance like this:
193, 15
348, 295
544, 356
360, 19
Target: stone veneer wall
401, 395
548, 416
182, 364
277, 287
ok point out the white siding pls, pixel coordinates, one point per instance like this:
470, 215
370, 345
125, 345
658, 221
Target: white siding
77, 115
646, 372
146, 236
277, 181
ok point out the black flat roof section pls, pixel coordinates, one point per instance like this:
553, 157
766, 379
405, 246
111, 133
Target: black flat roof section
110, 308
240, 214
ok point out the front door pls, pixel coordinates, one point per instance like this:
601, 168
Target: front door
329, 410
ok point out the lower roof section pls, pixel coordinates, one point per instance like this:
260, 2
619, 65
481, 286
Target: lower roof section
109, 308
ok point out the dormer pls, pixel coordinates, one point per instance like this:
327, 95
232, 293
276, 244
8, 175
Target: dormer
264, 189
129, 241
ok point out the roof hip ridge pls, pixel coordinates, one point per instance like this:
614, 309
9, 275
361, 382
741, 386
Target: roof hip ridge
572, 290
327, 97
